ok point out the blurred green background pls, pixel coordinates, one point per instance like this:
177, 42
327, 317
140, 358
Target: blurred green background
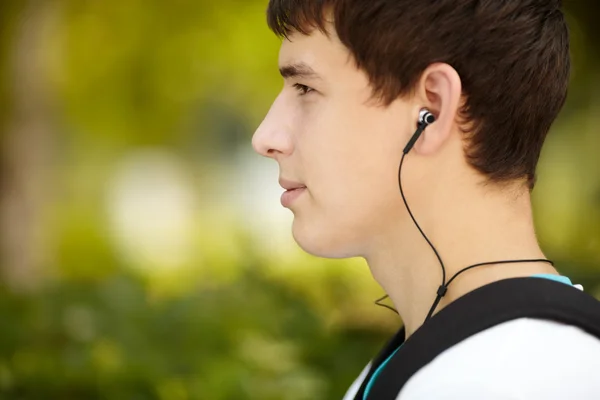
144, 253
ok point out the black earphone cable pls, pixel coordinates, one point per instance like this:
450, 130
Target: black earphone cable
441, 292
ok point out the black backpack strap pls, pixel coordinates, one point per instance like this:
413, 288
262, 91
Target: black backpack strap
476, 311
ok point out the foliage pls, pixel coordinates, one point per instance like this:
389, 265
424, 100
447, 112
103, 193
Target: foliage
110, 338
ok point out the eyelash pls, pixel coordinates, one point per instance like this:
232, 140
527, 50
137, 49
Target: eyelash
303, 90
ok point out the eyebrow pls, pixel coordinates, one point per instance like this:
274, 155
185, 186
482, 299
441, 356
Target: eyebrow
297, 70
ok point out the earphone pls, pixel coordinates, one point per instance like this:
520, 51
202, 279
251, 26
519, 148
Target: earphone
425, 119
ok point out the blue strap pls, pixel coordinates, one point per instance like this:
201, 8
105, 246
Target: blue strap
557, 278
376, 373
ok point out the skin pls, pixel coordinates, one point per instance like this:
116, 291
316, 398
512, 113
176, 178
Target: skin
327, 132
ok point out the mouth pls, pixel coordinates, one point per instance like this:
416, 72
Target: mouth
293, 190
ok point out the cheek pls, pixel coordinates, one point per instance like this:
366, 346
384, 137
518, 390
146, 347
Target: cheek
351, 169
353, 165
354, 153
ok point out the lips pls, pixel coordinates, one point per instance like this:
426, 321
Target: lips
289, 196
291, 185
292, 191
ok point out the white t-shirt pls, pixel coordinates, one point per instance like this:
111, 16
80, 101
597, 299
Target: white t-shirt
523, 359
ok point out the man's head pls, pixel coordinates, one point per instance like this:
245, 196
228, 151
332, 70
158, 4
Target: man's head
357, 73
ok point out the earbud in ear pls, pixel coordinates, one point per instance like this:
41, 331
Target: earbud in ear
426, 117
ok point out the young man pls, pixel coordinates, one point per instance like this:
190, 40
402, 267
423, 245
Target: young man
493, 73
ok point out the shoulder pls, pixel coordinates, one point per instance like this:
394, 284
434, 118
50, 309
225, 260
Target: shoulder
520, 359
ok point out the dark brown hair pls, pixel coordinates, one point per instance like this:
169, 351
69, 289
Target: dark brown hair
512, 57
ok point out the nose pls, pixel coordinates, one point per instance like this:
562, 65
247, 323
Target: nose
273, 136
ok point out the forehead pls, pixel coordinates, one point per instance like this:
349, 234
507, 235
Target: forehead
323, 53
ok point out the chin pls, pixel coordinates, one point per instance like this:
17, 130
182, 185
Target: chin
323, 241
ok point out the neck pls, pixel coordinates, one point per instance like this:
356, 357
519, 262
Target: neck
480, 228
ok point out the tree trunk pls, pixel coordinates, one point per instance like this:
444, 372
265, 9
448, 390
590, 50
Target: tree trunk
26, 147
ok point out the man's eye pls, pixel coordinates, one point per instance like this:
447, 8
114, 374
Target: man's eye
302, 89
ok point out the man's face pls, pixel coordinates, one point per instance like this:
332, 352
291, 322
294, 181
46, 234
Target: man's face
328, 135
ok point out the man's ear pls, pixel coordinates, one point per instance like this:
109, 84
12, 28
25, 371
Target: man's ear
439, 90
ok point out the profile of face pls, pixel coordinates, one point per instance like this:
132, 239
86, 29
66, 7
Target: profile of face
330, 137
